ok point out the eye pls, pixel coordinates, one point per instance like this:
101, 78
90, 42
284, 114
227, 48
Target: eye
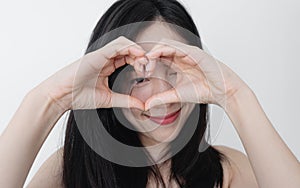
139, 81
173, 74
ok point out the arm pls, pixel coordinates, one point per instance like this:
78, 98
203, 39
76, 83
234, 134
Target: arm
274, 165
50, 173
22, 139
72, 87
238, 173
213, 82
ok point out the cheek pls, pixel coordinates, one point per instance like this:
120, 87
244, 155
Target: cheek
130, 114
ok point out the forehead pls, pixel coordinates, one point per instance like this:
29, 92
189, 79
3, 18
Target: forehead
155, 32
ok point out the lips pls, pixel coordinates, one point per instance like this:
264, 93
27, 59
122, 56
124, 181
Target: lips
164, 120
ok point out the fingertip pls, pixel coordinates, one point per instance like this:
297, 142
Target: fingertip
119, 62
138, 68
129, 60
136, 103
137, 51
142, 60
151, 103
147, 106
150, 66
152, 55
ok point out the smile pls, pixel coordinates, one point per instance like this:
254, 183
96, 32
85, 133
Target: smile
164, 120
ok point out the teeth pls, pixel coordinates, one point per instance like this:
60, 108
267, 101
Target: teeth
159, 115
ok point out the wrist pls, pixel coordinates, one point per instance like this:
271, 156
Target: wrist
57, 96
44, 99
238, 100
241, 108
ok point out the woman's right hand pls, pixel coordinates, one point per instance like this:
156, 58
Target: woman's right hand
84, 83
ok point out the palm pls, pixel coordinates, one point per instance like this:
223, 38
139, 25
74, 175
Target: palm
84, 83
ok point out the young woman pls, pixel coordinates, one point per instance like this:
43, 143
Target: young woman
158, 108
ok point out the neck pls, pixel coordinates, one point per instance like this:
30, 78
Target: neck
158, 151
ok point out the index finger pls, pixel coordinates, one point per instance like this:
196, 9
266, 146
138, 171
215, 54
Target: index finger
117, 48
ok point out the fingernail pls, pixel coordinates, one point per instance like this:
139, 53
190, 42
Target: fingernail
137, 67
143, 60
150, 66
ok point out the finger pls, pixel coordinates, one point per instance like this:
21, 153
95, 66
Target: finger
119, 47
150, 67
119, 62
172, 57
129, 60
189, 54
164, 51
126, 101
107, 70
166, 97
112, 65
116, 63
142, 66
132, 50
115, 50
124, 46
141, 60
195, 56
137, 67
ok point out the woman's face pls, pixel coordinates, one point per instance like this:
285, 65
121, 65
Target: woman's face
161, 123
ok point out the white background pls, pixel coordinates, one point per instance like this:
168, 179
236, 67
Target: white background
259, 40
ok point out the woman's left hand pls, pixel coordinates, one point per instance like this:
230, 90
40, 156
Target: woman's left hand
200, 77
203, 79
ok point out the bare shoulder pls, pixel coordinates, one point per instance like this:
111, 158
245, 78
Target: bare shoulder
50, 173
237, 170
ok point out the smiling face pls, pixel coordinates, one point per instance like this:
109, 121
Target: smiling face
161, 123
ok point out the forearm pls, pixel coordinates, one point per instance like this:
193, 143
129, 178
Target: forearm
22, 139
273, 163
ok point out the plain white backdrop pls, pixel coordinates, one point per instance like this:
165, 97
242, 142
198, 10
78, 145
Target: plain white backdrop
259, 40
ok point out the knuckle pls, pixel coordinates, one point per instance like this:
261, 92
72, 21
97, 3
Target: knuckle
124, 40
121, 38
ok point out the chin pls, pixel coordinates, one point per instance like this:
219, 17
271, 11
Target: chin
162, 134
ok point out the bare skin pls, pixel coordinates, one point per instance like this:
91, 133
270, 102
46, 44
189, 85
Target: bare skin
51, 99
238, 174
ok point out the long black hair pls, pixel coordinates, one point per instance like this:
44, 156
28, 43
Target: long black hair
84, 168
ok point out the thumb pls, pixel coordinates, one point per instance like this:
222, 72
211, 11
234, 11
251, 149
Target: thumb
126, 101
169, 96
